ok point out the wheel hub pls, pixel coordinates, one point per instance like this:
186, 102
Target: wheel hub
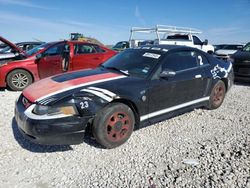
118, 126
19, 80
218, 95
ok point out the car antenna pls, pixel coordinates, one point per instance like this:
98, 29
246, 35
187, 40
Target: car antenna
36, 39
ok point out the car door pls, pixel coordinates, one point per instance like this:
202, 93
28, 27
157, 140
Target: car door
186, 87
86, 56
51, 61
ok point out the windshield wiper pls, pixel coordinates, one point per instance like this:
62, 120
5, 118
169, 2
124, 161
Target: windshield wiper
116, 69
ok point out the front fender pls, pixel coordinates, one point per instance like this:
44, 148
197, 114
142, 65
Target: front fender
87, 104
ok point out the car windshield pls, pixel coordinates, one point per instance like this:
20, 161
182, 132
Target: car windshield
247, 48
36, 49
219, 46
134, 62
120, 45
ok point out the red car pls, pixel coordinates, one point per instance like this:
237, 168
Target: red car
49, 59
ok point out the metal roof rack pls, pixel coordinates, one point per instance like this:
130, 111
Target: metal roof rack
166, 29
143, 30
175, 29
163, 29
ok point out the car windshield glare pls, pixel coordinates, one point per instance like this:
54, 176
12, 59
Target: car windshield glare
36, 49
135, 62
247, 48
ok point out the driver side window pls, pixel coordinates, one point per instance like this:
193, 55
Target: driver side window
180, 61
54, 50
197, 41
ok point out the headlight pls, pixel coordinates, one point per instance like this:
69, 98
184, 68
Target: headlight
66, 110
231, 59
41, 110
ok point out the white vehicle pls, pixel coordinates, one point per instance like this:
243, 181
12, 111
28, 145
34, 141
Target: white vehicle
227, 50
176, 36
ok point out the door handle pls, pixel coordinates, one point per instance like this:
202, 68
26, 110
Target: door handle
198, 76
96, 58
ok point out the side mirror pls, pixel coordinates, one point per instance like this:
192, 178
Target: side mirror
205, 42
167, 73
39, 56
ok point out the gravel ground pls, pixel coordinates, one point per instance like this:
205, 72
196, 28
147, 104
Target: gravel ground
197, 149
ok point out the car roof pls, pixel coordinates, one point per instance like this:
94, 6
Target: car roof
81, 42
70, 41
122, 41
34, 42
167, 47
230, 44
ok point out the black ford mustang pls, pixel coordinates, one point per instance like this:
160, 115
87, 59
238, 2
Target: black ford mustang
138, 86
241, 64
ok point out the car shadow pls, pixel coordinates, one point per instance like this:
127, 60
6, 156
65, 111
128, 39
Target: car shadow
242, 83
90, 139
6, 89
36, 148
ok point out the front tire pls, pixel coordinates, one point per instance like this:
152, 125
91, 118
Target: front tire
19, 79
113, 125
210, 52
217, 95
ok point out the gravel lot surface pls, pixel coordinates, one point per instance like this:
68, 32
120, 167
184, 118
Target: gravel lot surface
197, 149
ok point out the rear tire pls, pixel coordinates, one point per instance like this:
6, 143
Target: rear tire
19, 79
113, 125
217, 95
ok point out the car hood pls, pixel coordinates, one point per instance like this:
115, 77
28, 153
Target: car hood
69, 83
6, 55
13, 59
225, 52
241, 55
5, 41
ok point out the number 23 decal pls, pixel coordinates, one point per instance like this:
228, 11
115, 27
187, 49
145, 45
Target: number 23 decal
84, 104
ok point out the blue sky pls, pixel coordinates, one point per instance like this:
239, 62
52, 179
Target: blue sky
224, 21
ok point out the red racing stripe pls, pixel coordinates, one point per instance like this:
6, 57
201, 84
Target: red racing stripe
47, 86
